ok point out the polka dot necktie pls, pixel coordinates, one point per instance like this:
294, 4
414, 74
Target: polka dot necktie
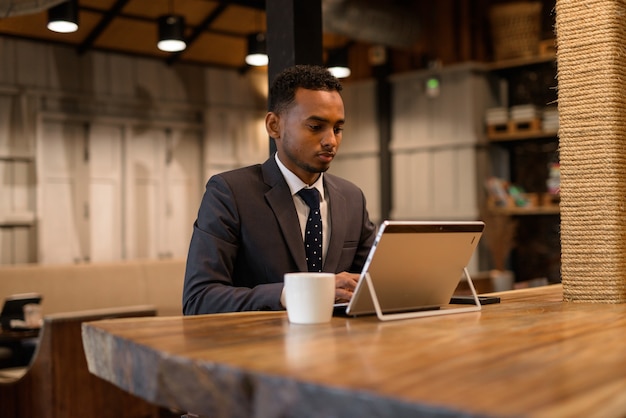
313, 231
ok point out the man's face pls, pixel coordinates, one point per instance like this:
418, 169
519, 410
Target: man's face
308, 133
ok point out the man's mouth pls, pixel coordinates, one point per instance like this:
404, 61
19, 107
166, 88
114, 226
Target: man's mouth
326, 156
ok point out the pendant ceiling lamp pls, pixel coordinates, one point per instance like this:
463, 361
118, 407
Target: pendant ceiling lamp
337, 62
171, 32
257, 50
63, 17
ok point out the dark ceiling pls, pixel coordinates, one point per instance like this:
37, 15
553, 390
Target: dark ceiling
413, 33
215, 30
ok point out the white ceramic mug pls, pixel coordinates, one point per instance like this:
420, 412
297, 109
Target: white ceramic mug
309, 297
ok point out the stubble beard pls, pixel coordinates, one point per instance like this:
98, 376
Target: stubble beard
305, 166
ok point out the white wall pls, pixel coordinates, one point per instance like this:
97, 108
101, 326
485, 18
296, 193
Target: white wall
105, 157
438, 144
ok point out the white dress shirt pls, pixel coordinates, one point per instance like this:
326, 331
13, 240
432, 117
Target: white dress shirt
295, 184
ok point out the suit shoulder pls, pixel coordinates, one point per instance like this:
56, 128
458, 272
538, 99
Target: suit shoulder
242, 174
341, 184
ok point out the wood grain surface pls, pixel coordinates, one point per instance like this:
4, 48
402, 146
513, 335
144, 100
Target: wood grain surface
530, 355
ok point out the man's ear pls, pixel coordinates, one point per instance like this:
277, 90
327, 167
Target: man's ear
272, 125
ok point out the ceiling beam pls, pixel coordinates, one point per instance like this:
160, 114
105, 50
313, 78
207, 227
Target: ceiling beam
253, 4
139, 18
101, 26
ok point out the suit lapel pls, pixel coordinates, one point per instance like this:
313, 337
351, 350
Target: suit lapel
339, 220
280, 200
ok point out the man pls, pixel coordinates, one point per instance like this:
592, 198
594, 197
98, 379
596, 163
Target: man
251, 221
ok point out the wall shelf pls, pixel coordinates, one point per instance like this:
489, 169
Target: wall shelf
521, 153
515, 63
521, 136
522, 211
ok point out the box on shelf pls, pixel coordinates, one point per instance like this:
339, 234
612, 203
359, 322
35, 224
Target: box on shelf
497, 119
496, 115
530, 125
515, 127
515, 29
550, 119
524, 112
520, 119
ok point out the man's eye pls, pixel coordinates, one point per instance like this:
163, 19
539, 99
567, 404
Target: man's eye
338, 129
315, 127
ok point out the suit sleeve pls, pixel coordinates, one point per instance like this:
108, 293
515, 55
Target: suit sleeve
208, 286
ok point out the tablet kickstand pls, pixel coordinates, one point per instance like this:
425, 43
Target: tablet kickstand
406, 315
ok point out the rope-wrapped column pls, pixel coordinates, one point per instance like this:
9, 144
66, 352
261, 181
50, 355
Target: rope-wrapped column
591, 55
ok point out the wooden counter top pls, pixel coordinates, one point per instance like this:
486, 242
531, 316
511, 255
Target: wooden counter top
531, 355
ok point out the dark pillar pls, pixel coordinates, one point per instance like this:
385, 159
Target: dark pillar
384, 109
294, 36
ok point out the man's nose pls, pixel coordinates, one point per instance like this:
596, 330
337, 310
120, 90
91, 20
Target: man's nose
330, 139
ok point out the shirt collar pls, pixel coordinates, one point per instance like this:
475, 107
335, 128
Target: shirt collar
294, 182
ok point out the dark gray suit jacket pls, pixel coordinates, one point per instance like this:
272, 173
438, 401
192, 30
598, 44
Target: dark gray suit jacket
247, 236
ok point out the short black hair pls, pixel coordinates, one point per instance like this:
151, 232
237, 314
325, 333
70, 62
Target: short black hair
311, 77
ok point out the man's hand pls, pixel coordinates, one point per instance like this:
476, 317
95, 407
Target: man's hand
344, 286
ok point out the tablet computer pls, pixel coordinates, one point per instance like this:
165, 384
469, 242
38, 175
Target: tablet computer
413, 269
